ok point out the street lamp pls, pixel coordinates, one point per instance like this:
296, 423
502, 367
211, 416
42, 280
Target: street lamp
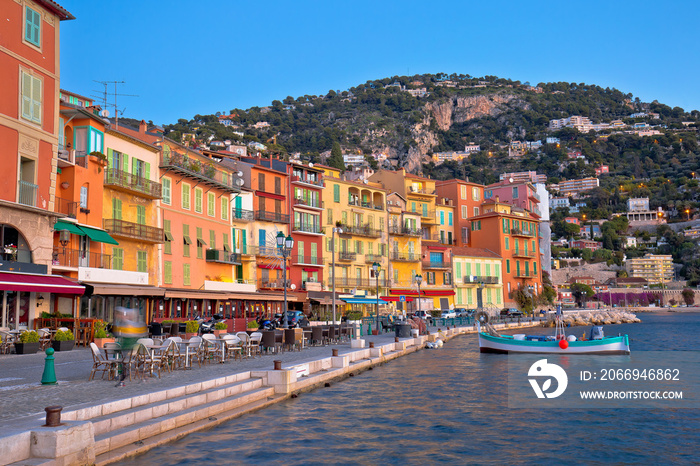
419, 279
376, 267
687, 212
334, 230
284, 246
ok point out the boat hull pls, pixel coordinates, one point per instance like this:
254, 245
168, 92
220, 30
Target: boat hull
608, 345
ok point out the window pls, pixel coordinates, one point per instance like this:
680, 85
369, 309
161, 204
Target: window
431, 278
517, 268
168, 273
261, 182
278, 185
329, 216
211, 204
96, 143
186, 240
465, 212
212, 239
515, 192
507, 243
200, 243
442, 215
533, 246
224, 208
381, 224
396, 276
413, 206
463, 192
507, 265
117, 258
167, 247
449, 218
141, 264
336, 193
185, 196
498, 270
31, 98
198, 200
534, 268
83, 197
475, 194
224, 240
476, 211
167, 191
117, 209
447, 278
186, 274
32, 27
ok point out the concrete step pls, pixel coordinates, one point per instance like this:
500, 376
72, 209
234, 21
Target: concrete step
135, 435
171, 404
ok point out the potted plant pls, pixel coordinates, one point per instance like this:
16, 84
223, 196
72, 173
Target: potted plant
191, 329
101, 334
28, 342
219, 328
252, 326
63, 341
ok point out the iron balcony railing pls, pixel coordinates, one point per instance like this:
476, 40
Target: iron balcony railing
367, 205
315, 203
27, 193
75, 258
363, 230
205, 173
421, 190
523, 253
405, 256
242, 215
305, 180
371, 258
309, 285
437, 265
273, 284
133, 183
523, 274
81, 158
134, 230
428, 216
351, 282
439, 238
519, 232
347, 256
223, 256
275, 217
307, 260
487, 280
307, 228
66, 207
396, 230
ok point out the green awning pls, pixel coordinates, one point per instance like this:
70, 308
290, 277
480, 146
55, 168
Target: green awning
98, 235
72, 227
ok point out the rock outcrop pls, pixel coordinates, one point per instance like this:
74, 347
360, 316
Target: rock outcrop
461, 109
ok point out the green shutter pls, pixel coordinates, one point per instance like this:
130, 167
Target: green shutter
110, 156
336, 193
134, 165
148, 171
126, 162
116, 209
26, 96
32, 31
168, 273
141, 215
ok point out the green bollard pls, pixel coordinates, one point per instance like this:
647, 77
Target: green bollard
49, 377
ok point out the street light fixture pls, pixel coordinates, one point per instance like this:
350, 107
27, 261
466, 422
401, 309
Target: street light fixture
419, 279
334, 230
284, 246
376, 267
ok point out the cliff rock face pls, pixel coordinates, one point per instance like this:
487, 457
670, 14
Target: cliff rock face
461, 109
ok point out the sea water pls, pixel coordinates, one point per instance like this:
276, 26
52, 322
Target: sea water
450, 406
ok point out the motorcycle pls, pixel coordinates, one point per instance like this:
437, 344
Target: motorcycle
207, 326
267, 324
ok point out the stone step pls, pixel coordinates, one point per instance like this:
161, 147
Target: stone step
132, 437
171, 404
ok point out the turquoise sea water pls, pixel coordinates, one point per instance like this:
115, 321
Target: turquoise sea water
449, 406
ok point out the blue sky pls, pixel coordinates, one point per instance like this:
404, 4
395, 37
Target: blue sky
186, 58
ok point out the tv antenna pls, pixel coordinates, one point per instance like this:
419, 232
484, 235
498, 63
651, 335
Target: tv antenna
103, 98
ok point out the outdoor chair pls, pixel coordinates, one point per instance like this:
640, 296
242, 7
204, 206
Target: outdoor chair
100, 363
317, 335
254, 343
269, 340
193, 351
245, 342
210, 347
44, 338
234, 346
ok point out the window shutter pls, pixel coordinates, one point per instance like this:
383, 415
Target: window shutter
26, 96
126, 162
134, 165
110, 156
148, 171
36, 100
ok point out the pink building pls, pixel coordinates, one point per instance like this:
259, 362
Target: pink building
517, 193
586, 244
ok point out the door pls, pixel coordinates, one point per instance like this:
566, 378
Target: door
238, 202
244, 240
84, 252
262, 237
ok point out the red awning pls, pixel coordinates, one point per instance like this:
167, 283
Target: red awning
39, 283
307, 269
437, 292
270, 266
394, 299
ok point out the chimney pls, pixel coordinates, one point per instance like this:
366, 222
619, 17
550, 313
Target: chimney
142, 127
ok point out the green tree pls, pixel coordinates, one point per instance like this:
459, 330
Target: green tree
336, 158
581, 293
688, 296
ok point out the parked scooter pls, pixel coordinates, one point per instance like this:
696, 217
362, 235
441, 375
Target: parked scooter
266, 324
207, 326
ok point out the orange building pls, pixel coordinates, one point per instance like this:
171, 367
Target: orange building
511, 233
466, 198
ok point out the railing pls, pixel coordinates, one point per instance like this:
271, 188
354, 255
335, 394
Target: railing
223, 256
521, 253
276, 284
363, 230
405, 257
519, 232
438, 238
81, 158
350, 282
437, 265
66, 207
420, 190
307, 228
312, 286
522, 274
373, 258
75, 258
276, 217
302, 179
242, 215
308, 260
366, 205
315, 203
487, 280
134, 230
27, 193
394, 230
347, 256
122, 179
67, 155
201, 171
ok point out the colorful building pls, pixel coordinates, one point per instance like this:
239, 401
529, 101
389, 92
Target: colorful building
404, 246
466, 198
477, 269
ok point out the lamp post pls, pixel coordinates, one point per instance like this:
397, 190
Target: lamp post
284, 246
376, 267
334, 231
419, 279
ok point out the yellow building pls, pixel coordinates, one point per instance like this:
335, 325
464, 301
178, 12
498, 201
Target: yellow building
357, 213
404, 243
654, 268
476, 268
445, 215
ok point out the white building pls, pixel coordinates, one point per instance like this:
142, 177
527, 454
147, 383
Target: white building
638, 204
559, 202
354, 159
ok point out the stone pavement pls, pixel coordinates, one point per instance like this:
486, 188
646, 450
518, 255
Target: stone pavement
23, 398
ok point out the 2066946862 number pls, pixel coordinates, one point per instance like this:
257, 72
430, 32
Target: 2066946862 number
639, 374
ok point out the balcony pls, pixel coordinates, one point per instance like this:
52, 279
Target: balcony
476, 279
66, 157
74, 258
80, 158
308, 203
371, 258
310, 228
439, 239
405, 256
132, 230
403, 231
347, 256
223, 257
275, 217
239, 215
437, 265
312, 286
350, 282
27, 193
524, 233
66, 207
307, 181
132, 183
307, 260
524, 275
413, 190
363, 230
366, 205
204, 173
523, 254
428, 216
274, 284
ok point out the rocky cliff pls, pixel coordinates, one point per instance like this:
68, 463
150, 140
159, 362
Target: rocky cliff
461, 109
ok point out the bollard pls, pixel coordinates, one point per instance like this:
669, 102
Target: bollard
371, 344
49, 376
335, 351
53, 415
278, 365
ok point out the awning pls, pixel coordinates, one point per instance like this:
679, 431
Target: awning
307, 269
189, 294
329, 301
93, 289
423, 292
39, 283
269, 266
98, 235
360, 300
72, 227
395, 299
